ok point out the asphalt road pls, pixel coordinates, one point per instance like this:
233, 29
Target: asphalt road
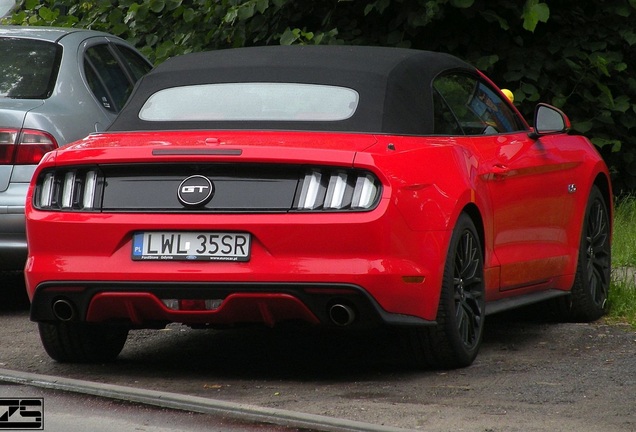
72, 412
531, 375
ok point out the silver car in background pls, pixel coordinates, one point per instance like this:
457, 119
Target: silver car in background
5, 7
57, 85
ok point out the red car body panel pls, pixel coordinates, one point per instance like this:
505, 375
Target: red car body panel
395, 252
346, 187
141, 308
336, 186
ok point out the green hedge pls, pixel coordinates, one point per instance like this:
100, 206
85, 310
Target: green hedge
576, 55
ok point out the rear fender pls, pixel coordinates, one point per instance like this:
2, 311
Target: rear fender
430, 180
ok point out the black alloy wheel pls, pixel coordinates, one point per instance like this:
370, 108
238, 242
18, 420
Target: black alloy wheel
588, 298
468, 290
454, 342
597, 253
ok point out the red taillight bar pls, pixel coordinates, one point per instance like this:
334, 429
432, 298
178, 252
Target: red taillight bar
24, 147
8, 138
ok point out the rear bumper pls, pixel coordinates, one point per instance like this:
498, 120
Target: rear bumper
13, 244
392, 271
140, 305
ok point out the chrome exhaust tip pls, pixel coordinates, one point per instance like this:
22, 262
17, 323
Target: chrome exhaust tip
341, 315
63, 310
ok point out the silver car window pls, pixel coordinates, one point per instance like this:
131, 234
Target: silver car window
106, 77
137, 65
29, 68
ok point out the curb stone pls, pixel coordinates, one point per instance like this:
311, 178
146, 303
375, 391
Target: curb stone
197, 404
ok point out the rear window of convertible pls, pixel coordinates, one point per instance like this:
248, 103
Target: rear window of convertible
251, 102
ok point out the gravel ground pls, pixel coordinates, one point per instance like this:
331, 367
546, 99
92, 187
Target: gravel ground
531, 374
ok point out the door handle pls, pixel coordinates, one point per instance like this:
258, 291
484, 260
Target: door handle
498, 172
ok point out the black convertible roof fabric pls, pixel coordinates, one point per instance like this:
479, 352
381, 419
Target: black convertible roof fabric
394, 85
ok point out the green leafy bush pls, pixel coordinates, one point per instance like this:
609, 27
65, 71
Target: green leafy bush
576, 55
622, 296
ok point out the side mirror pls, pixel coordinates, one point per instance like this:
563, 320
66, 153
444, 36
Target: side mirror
549, 120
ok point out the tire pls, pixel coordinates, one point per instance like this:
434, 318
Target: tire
588, 298
454, 342
71, 342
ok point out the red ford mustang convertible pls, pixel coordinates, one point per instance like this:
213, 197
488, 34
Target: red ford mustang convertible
345, 187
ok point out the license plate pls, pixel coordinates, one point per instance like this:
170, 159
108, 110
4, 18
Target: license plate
191, 246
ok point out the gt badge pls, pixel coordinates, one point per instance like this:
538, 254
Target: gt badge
195, 191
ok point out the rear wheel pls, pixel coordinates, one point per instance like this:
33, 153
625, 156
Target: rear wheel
454, 342
74, 342
588, 298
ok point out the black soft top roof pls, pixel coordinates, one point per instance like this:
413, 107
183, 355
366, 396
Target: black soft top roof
394, 85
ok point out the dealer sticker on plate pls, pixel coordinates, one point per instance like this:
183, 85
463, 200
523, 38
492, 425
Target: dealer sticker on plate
191, 246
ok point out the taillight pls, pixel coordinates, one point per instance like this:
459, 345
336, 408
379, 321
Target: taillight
69, 190
32, 145
338, 190
7, 145
24, 147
